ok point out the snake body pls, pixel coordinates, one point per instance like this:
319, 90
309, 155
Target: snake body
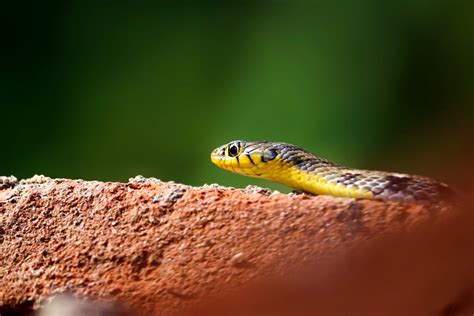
304, 171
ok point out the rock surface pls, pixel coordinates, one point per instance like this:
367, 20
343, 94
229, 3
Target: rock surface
161, 246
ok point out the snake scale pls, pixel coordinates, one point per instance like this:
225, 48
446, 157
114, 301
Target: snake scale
304, 171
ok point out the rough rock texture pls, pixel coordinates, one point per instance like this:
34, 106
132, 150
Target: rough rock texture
162, 246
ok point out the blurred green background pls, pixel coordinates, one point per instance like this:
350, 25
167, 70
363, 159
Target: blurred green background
110, 90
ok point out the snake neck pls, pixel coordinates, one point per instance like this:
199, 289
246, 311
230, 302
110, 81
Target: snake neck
321, 178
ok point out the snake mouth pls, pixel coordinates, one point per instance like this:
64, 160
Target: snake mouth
220, 160
217, 159
235, 164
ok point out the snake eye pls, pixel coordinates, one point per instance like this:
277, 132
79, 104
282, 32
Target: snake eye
233, 150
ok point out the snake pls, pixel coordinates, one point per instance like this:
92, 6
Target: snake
303, 171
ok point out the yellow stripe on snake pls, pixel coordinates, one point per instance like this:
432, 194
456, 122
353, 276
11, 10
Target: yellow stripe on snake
303, 171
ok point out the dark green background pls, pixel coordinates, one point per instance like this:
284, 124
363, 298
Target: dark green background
108, 91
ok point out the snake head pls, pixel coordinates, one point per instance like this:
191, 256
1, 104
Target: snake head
245, 157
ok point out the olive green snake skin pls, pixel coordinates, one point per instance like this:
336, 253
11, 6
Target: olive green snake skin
304, 171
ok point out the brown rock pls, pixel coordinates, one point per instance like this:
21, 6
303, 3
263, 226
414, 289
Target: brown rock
160, 246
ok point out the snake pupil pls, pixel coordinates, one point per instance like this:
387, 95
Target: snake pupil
233, 150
